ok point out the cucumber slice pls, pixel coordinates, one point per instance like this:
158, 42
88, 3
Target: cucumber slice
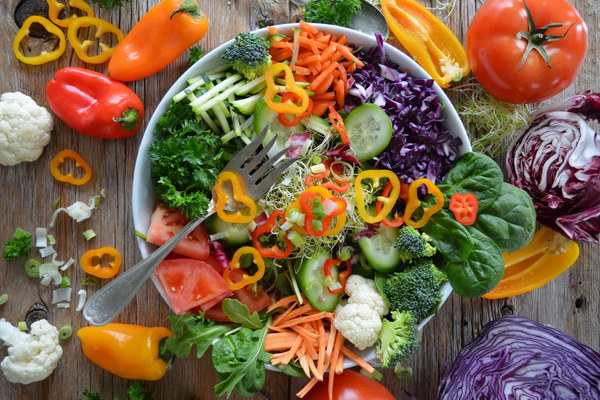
369, 129
236, 234
264, 116
311, 279
379, 250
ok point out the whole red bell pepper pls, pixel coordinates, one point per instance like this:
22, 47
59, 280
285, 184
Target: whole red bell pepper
94, 104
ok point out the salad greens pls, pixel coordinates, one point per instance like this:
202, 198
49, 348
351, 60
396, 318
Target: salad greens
334, 12
17, 246
136, 391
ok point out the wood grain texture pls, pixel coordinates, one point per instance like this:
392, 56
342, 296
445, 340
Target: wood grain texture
569, 303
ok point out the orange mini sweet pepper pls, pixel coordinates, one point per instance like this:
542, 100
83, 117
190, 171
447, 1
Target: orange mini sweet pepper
162, 35
128, 351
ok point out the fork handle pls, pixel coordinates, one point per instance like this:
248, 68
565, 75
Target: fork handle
108, 302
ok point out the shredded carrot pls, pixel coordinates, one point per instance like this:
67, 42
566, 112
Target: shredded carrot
307, 388
284, 302
281, 44
306, 27
272, 30
359, 361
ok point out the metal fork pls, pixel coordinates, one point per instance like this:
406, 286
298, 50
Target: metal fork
258, 172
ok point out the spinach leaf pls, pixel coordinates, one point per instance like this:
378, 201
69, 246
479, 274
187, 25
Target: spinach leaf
510, 221
474, 173
450, 237
481, 271
239, 313
239, 360
292, 369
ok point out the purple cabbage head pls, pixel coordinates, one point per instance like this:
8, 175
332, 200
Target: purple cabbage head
517, 358
420, 147
557, 161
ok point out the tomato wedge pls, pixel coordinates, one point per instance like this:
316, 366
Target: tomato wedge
190, 283
165, 223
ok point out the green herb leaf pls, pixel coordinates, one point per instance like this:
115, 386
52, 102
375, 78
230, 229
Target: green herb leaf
335, 12
18, 245
239, 313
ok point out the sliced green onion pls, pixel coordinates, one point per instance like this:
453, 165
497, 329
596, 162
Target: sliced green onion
51, 239
318, 168
89, 234
316, 160
141, 235
32, 268
3, 298
90, 281
344, 253
55, 202
65, 332
377, 375
295, 238
292, 278
318, 208
22, 325
65, 282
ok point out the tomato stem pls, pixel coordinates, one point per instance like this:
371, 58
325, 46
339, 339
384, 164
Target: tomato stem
536, 37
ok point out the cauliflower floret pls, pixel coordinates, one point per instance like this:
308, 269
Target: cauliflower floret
363, 291
358, 323
24, 128
359, 319
33, 356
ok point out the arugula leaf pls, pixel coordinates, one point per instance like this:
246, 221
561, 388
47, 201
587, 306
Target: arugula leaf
239, 360
239, 313
191, 330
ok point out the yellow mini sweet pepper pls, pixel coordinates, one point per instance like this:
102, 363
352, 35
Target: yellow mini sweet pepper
128, 351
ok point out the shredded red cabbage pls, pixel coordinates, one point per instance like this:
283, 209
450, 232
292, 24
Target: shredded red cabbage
517, 358
220, 254
420, 146
342, 153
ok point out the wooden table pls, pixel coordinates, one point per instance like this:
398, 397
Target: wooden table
570, 302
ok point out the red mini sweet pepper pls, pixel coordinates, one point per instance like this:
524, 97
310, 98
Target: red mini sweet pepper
94, 104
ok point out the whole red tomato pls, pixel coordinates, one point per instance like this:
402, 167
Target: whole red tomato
351, 385
504, 65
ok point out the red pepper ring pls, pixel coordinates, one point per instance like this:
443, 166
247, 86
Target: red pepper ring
338, 123
464, 207
398, 220
307, 202
60, 158
283, 117
342, 276
266, 229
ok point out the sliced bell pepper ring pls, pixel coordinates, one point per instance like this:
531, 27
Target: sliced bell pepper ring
397, 220
266, 229
238, 194
464, 206
60, 158
92, 262
414, 203
316, 220
376, 175
340, 186
431, 43
81, 48
55, 7
338, 123
44, 56
342, 276
283, 118
323, 194
290, 85
235, 264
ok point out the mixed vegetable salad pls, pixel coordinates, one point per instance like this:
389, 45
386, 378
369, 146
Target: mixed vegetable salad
350, 248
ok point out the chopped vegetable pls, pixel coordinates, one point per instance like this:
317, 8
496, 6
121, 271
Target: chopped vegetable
89, 234
413, 245
102, 28
248, 55
238, 194
414, 203
62, 294
464, 207
333, 12
17, 246
55, 8
74, 177
375, 177
556, 162
82, 297
196, 53
45, 56
90, 281
65, 332
398, 339
104, 262
235, 264
3, 298
518, 355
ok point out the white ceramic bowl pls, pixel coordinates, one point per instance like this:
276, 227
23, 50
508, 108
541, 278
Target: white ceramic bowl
143, 200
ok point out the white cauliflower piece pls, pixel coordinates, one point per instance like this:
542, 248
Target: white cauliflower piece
359, 320
358, 323
363, 291
25, 128
33, 356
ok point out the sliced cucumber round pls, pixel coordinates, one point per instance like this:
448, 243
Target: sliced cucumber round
264, 116
235, 234
311, 279
369, 129
379, 249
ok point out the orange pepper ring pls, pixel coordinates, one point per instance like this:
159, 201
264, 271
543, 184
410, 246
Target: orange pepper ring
238, 194
97, 269
413, 202
81, 48
375, 175
235, 264
69, 178
341, 219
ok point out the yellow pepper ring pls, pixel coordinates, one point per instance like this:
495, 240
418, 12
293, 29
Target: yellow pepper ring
44, 56
81, 48
235, 264
324, 193
375, 175
291, 86
238, 194
414, 203
55, 7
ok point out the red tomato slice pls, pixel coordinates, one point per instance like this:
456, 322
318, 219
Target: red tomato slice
166, 223
191, 283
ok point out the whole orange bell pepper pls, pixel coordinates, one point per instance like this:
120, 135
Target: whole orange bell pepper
162, 35
128, 351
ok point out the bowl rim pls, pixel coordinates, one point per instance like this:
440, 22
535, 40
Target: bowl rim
142, 184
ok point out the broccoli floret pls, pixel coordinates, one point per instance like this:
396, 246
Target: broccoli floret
416, 289
334, 12
248, 55
18, 245
412, 244
397, 339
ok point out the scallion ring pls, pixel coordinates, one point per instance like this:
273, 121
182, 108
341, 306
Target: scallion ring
65, 332
32, 268
3, 298
90, 281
